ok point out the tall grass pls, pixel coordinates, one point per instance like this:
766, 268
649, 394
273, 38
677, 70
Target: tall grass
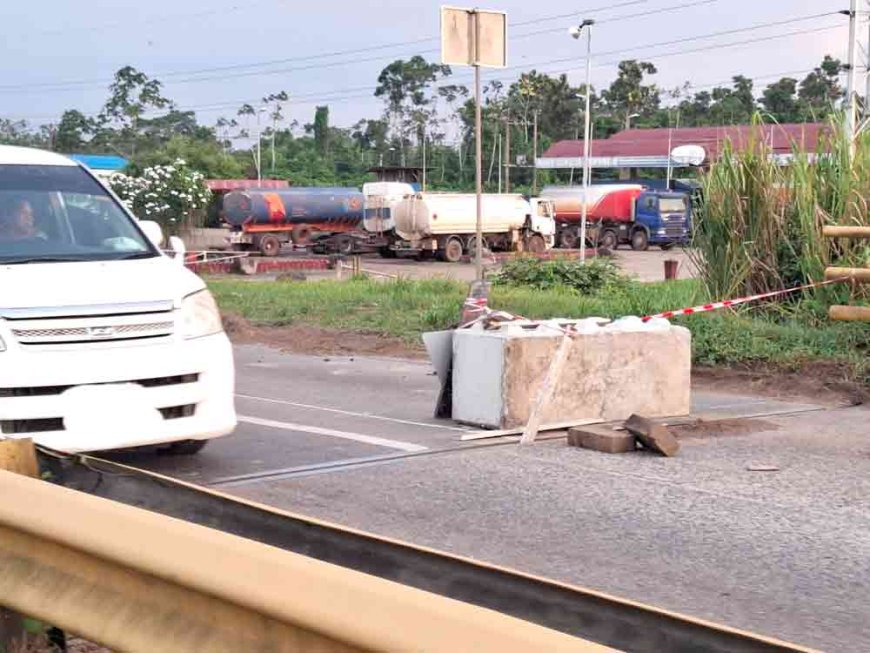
760, 224
407, 308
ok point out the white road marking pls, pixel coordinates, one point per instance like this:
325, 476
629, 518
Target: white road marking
351, 413
317, 430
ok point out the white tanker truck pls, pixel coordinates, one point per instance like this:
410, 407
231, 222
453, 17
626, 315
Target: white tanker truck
445, 223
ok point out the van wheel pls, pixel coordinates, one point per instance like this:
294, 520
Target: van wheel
270, 246
536, 244
452, 251
609, 240
639, 241
185, 447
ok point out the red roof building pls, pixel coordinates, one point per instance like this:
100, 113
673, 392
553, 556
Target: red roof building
225, 185
649, 148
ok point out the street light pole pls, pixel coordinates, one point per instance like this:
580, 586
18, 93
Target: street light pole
478, 145
587, 129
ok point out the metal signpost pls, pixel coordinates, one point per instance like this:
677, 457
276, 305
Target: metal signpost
473, 37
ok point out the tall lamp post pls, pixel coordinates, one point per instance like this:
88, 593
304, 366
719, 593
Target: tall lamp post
259, 147
576, 31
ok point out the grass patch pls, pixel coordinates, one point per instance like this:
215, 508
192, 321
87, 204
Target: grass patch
406, 308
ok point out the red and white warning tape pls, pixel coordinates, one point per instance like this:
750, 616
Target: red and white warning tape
734, 302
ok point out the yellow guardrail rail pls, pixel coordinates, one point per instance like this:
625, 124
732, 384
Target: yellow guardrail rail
135, 580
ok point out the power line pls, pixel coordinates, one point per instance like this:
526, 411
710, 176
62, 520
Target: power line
514, 67
102, 81
155, 19
336, 98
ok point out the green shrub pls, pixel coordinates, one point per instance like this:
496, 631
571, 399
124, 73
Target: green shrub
584, 278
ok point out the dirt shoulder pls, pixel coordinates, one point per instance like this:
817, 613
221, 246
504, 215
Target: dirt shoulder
818, 382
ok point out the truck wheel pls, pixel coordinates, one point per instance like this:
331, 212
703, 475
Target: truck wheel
536, 244
387, 252
609, 240
300, 234
567, 240
639, 241
666, 246
471, 247
344, 245
452, 251
270, 246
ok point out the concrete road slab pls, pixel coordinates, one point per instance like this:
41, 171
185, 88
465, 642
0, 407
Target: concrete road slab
783, 553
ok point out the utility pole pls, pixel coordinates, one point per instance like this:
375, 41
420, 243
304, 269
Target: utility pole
424, 159
498, 140
851, 79
535, 152
507, 155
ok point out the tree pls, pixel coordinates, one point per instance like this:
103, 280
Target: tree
132, 93
321, 129
276, 103
72, 130
403, 85
820, 90
779, 100
18, 132
627, 94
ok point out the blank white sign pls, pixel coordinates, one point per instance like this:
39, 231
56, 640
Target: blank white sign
458, 35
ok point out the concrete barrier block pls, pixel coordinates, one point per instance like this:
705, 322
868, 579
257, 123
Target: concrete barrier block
610, 373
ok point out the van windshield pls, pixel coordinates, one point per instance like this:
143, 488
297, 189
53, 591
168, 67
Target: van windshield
61, 213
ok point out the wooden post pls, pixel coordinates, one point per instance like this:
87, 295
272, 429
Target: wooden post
18, 457
846, 232
855, 275
850, 313
546, 391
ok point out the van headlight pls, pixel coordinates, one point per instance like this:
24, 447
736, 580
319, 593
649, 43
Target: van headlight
200, 316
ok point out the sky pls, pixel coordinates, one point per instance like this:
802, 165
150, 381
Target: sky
60, 54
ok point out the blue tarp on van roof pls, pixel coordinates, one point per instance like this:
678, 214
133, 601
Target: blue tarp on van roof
100, 161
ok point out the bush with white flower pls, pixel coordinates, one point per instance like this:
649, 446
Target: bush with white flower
173, 195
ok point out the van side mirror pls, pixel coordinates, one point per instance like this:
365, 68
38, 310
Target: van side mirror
178, 247
153, 232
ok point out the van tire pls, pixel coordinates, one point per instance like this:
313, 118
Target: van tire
639, 241
185, 447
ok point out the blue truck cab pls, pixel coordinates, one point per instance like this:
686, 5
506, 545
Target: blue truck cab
662, 218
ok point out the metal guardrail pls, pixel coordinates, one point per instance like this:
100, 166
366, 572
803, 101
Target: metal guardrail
135, 580
582, 613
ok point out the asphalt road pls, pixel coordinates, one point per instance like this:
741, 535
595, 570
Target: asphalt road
784, 553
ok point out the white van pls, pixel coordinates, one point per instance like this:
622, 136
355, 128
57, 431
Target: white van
105, 342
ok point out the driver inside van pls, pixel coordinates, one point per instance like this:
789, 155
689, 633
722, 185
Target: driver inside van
17, 221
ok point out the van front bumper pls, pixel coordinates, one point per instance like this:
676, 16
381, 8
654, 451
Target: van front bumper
109, 396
